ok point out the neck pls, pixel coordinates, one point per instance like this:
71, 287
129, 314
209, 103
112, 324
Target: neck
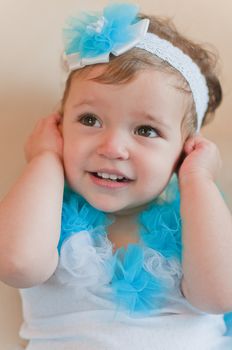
130, 212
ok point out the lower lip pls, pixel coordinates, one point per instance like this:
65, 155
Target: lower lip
108, 183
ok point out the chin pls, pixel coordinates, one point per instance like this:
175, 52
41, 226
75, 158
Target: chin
105, 206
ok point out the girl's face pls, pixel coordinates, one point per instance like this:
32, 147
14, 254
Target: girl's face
129, 132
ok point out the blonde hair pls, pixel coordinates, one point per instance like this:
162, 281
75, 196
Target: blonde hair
122, 69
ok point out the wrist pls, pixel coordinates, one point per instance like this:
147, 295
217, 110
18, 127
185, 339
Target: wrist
196, 177
45, 154
49, 160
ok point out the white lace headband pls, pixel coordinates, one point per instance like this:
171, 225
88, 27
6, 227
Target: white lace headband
185, 65
91, 38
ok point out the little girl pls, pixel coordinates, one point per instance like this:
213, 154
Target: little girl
125, 255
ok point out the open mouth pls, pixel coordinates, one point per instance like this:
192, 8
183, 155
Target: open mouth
110, 177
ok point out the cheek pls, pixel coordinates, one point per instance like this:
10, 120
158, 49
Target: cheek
158, 165
75, 154
72, 165
71, 154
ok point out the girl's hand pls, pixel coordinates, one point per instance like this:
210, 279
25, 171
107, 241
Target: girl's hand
202, 158
46, 136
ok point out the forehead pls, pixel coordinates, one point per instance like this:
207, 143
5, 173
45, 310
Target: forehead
149, 90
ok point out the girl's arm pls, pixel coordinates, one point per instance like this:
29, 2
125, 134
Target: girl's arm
30, 214
207, 230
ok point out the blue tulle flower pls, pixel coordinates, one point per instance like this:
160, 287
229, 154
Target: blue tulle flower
92, 35
78, 215
228, 322
134, 288
161, 225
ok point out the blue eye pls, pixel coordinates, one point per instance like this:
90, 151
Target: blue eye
146, 131
89, 119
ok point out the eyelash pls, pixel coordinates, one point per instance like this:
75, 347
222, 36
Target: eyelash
86, 118
150, 129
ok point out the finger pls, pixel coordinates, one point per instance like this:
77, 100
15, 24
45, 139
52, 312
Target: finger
194, 142
38, 125
189, 145
54, 118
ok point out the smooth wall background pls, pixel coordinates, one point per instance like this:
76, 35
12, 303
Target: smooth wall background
31, 83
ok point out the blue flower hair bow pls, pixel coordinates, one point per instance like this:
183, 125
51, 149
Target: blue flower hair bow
90, 38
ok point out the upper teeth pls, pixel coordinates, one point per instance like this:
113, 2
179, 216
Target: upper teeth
110, 176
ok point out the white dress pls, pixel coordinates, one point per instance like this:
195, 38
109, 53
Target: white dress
83, 306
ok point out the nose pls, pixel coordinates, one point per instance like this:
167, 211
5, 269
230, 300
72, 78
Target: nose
113, 145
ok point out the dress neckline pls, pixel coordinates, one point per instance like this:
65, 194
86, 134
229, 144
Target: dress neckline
141, 275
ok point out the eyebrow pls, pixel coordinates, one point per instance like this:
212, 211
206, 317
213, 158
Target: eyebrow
84, 101
158, 121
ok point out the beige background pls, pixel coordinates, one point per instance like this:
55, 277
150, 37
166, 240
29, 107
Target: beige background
31, 83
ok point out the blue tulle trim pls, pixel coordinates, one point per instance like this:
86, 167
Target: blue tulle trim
78, 215
228, 322
133, 286
161, 228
